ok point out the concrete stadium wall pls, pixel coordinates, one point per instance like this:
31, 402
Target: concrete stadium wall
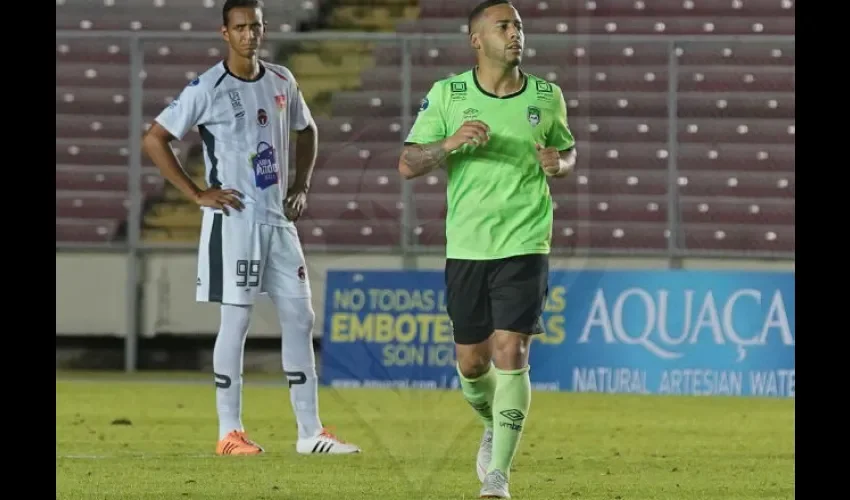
91, 288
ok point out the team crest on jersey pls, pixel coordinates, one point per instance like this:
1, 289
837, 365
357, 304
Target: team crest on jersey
280, 100
302, 274
262, 117
534, 116
264, 163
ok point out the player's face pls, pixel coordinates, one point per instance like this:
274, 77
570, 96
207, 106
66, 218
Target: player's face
499, 35
244, 30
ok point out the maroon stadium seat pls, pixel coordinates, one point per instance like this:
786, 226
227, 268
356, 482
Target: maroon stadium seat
361, 207
170, 77
611, 208
137, 18
347, 233
86, 178
114, 153
537, 8
581, 54
738, 211
91, 205
638, 104
736, 129
96, 52
572, 235
93, 101
639, 25
606, 78
611, 182
765, 238
356, 182
85, 230
360, 129
743, 185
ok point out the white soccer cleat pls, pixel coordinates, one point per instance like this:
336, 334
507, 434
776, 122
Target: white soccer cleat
485, 453
495, 485
325, 443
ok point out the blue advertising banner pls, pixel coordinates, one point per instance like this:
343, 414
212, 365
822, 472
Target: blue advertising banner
646, 332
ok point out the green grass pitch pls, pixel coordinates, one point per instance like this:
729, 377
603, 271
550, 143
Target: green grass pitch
143, 437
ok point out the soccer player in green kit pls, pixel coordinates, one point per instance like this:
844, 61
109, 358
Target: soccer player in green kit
500, 134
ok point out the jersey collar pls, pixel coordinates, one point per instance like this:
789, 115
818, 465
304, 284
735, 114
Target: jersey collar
494, 96
257, 78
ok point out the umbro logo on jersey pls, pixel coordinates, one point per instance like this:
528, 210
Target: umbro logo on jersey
280, 100
262, 117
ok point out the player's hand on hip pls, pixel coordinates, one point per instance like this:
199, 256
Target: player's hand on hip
296, 202
221, 199
474, 132
549, 158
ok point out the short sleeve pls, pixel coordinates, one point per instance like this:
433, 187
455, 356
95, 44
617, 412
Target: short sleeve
560, 136
430, 123
191, 108
300, 116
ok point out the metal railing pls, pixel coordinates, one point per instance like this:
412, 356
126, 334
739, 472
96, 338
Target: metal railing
133, 247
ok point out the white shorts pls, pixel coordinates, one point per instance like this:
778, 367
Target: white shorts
238, 260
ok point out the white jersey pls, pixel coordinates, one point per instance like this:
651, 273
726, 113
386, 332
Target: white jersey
244, 125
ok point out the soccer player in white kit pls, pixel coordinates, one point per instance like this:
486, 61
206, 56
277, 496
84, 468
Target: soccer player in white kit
244, 110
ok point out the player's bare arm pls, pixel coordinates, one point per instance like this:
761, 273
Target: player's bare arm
556, 163
419, 159
306, 151
157, 145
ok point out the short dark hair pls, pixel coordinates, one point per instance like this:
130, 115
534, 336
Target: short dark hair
480, 8
233, 4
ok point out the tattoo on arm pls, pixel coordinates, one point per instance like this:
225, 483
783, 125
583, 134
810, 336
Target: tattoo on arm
422, 158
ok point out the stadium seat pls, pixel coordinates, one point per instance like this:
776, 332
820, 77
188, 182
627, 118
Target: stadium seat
91, 205
638, 25
201, 54
738, 211
572, 235
764, 238
581, 54
85, 230
103, 153
360, 129
603, 104
744, 185
84, 178
607, 208
93, 101
342, 233
687, 8
736, 107
353, 182
171, 77
608, 78
354, 208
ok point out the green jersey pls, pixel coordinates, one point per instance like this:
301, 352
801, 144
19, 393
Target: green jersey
498, 200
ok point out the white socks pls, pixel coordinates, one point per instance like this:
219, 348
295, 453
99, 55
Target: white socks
299, 362
227, 367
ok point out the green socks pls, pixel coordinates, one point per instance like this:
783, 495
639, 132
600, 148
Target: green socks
479, 393
510, 409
